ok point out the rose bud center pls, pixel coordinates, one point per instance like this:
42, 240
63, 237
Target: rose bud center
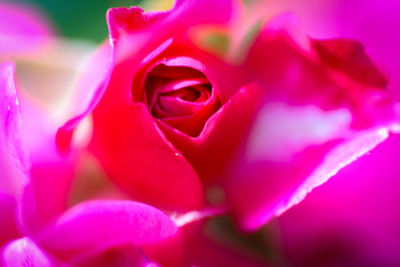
181, 97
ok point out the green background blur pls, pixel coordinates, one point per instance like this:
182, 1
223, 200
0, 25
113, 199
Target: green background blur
82, 19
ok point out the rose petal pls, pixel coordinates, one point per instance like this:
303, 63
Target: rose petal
215, 147
95, 225
8, 220
131, 154
354, 214
270, 187
25, 252
349, 57
13, 161
297, 75
121, 256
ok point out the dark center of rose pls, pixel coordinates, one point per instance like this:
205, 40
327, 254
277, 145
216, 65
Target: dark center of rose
181, 97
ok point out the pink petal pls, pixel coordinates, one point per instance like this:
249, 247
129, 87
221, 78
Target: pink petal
95, 225
25, 252
121, 256
211, 152
131, 154
13, 161
354, 215
270, 188
22, 29
8, 221
349, 57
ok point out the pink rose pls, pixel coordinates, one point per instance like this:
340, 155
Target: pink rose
265, 118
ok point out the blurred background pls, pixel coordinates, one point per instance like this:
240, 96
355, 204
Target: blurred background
79, 19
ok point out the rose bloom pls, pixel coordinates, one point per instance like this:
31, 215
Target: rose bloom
202, 98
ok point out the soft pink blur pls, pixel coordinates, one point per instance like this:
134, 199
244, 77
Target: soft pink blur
23, 29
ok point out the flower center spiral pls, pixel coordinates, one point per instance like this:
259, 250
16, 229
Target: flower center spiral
181, 97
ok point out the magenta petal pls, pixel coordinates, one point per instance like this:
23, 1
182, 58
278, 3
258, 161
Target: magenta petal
13, 161
271, 188
95, 225
121, 256
25, 252
22, 29
132, 149
211, 152
350, 58
8, 224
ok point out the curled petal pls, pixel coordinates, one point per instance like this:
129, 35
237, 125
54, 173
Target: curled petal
272, 187
95, 225
131, 154
13, 159
211, 152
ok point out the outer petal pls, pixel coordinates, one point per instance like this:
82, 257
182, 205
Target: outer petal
8, 223
272, 187
352, 220
13, 162
137, 156
98, 225
25, 252
327, 19
121, 256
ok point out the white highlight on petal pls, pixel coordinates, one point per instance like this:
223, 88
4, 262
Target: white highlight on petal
281, 130
158, 50
197, 215
24, 252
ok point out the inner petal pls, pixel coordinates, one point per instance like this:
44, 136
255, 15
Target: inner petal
182, 97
